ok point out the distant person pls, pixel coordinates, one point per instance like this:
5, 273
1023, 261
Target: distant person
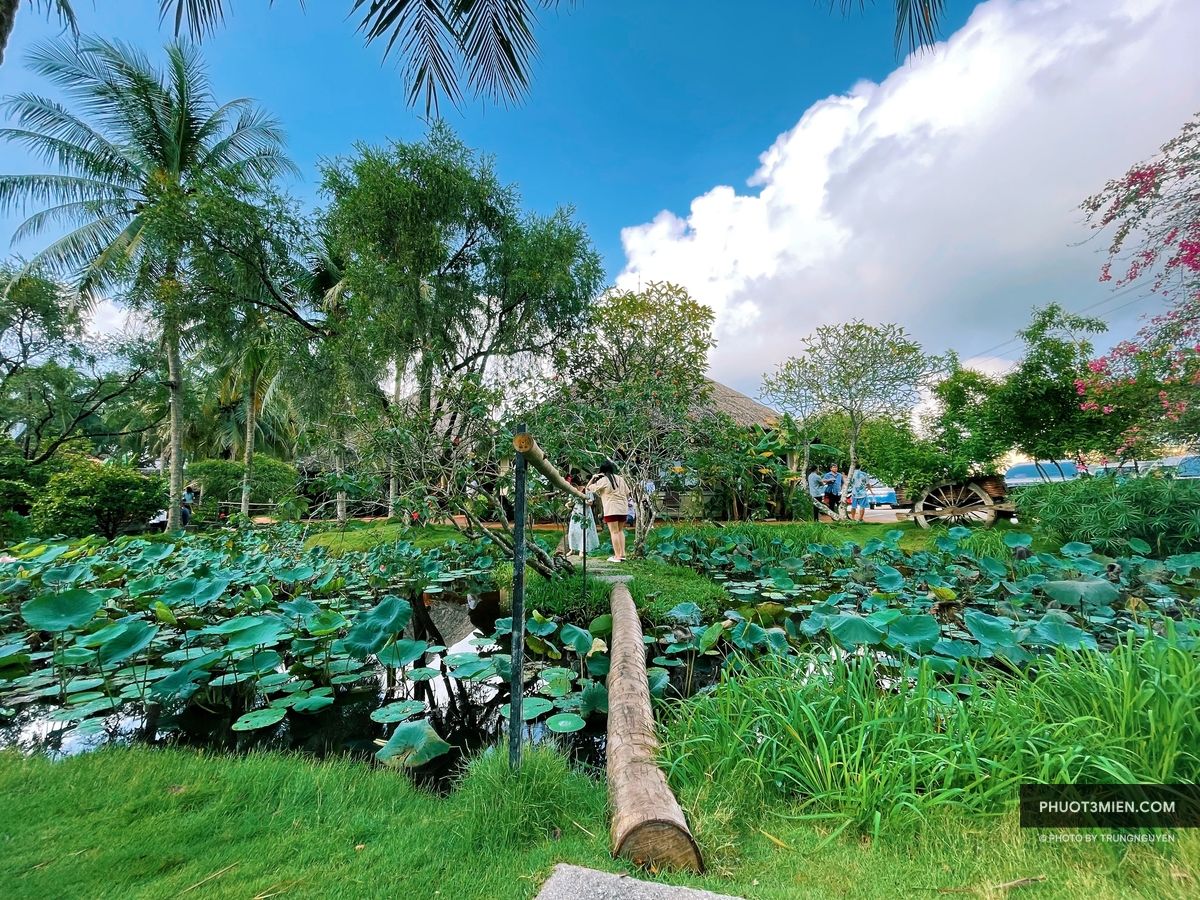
833, 488
860, 491
816, 491
613, 492
581, 532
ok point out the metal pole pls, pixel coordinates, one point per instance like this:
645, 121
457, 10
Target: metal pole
517, 680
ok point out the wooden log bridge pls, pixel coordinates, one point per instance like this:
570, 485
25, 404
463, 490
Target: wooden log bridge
648, 826
524, 444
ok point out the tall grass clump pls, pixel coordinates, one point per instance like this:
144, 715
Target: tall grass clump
838, 736
504, 810
756, 536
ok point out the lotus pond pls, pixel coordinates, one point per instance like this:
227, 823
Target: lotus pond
248, 639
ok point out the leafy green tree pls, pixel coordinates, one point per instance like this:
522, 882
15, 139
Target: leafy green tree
56, 382
451, 277
1037, 407
964, 425
630, 387
864, 372
145, 150
790, 390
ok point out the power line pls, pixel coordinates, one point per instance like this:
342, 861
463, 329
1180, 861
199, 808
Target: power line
1113, 296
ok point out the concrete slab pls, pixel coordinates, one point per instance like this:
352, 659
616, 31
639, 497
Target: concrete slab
568, 882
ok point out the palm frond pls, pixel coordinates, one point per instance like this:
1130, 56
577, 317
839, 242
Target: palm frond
197, 17
918, 22
497, 43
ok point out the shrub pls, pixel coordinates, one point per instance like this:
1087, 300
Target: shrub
93, 498
14, 528
14, 496
1107, 512
220, 480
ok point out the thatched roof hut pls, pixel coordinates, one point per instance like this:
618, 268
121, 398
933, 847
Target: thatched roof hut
745, 411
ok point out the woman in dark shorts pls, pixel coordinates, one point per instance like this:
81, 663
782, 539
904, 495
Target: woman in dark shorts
613, 492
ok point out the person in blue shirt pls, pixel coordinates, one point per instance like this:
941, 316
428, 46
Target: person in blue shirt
833, 488
816, 491
860, 492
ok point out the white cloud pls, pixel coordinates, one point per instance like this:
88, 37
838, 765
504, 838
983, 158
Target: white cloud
107, 318
945, 198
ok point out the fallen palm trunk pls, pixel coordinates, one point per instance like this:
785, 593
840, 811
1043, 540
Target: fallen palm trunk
648, 826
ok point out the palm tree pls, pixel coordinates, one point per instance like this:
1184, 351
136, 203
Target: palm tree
8, 17
488, 43
134, 161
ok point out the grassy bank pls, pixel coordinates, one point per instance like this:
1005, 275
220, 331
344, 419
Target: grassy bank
824, 733
359, 536
145, 823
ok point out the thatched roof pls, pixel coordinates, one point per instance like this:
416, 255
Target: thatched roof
745, 411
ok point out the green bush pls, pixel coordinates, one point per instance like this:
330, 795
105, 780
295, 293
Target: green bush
14, 528
1107, 512
93, 498
220, 481
14, 496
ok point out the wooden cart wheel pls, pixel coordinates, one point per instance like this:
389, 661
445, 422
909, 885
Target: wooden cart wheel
954, 504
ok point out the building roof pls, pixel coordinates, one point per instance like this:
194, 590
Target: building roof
745, 411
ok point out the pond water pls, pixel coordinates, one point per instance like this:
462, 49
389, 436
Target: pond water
467, 715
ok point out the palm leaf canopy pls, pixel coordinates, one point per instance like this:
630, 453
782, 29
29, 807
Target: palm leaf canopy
128, 146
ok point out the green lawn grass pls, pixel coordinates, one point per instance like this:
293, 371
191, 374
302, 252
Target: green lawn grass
657, 587
139, 823
365, 535
359, 536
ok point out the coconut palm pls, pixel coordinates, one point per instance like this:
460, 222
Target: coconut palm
136, 151
488, 43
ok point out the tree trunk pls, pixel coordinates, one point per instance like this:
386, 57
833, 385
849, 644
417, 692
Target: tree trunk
643, 523
248, 450
341, 494
648, 826
852, 467
8, 17
175, 394
393, 477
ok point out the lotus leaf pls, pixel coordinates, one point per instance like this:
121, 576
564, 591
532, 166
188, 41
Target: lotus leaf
62, 611
563, 723
412, 744
260, 718
852, 631
398, 712
373, 629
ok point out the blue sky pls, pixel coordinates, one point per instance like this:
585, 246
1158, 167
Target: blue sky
786, 167
635, 107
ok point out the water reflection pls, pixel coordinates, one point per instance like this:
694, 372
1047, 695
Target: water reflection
467, 715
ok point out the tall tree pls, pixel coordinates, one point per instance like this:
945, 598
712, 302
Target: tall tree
1148, 388
790, 390
452, 277
134, 161
1037, 405
866, 372
630, 387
